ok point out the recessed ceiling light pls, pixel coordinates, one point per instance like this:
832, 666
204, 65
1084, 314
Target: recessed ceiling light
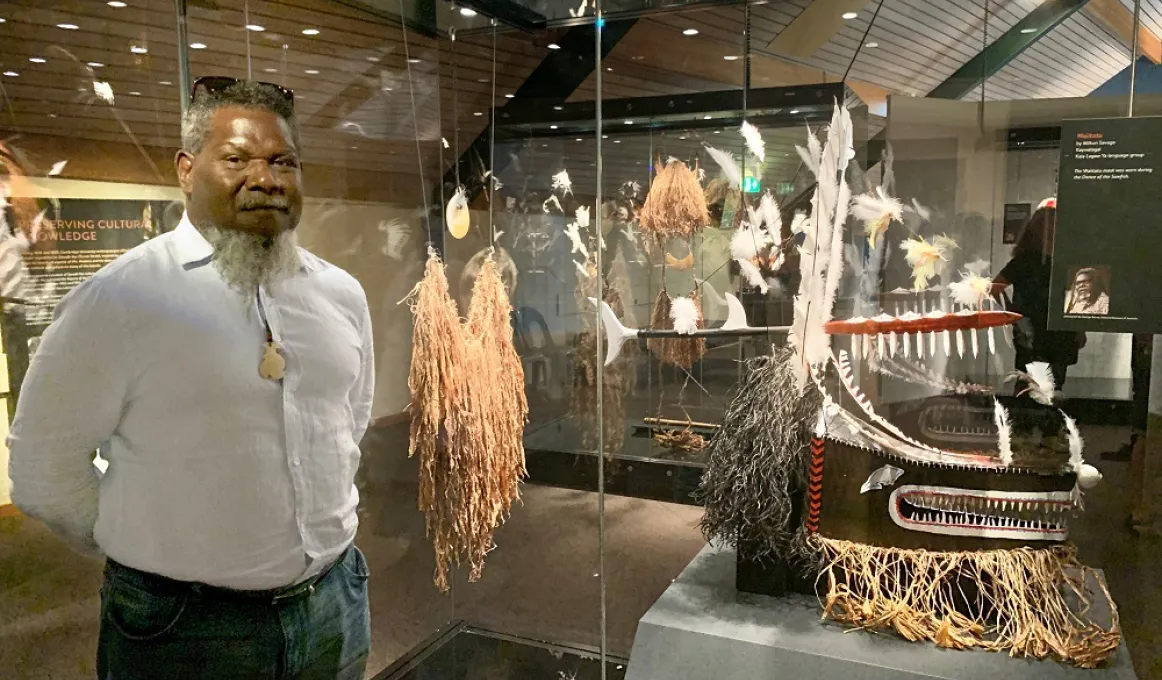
68, 27
706, 117
578, 139
731, 57
197, 46
510, 96
310, 31
11, 74
872, 44
554, 46
617, 141
467, 12
270, 70
373, 59
552, 127
164, 82
629, 122
312, 72
413, 60
690, 31
137, 49
95, 64
482, 80
135, 93
718, 132
2, 20
794, 111
255, 27
850, 15
608, 68
478, 113
36, 60
605, 136
1028, 30
558, 108
116, 3
637, 57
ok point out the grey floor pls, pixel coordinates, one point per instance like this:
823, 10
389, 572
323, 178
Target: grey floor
541, 581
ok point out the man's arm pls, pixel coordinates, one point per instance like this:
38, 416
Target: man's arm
363, 392
70, 402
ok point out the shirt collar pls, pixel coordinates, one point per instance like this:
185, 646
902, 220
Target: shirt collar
192, 248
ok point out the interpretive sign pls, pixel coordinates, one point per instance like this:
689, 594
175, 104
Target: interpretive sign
1109, 219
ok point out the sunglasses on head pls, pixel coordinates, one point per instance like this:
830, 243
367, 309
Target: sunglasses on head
211, 85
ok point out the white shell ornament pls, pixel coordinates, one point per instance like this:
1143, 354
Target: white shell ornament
1088, 476
457, 215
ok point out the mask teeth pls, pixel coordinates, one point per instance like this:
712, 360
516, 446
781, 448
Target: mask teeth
880, 345
992, 337
932, 344
947, 343
907, 346
892, 344
919, 345
975, 344
960, 343
867, 346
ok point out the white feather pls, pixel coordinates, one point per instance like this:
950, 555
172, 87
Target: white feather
799, 223
103, 90
873, 206
396, 236
562, 182
748, 242
684, 314
728, 164
970, 290
977, 267
578, 244
582, 270
754, 140
924, 213
1042, 375
753, 276
583, 216
552, 201
1004, 433
1076, 443
772, 218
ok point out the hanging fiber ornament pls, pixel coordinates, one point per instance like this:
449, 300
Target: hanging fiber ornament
681, 352
676, 204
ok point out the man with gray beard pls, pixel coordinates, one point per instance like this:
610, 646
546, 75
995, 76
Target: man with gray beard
226, 376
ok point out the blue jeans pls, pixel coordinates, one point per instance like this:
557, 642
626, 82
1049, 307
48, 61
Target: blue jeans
154, 628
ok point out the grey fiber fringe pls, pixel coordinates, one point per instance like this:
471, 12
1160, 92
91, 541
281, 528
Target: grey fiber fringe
758, 458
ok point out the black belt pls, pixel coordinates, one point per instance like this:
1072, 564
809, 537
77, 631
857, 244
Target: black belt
155, 583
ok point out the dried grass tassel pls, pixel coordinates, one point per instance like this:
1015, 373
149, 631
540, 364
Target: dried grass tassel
675, 205
1031, 602
468, 414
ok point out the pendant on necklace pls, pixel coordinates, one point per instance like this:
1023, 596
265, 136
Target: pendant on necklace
273, 366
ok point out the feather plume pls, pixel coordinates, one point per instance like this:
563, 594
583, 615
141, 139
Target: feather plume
799, 223
772, 219
812, 153
747, 242
971, 290
1004, 433
578, 244
729, 166
583, 216
1039, 382
754, 140
876, 210
684, 314
1076, 443
396, 236
945, 243
562, 183
552, 201
923, 257
753, 275
103, 90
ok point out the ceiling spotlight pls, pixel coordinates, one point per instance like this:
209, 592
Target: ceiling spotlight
197, 46
478, 113
95, 64
577, 140
467, 12
373, 59
794, 111
37, 60
872, 45
138, 49
482, 80
510, 96
629, 122
164, 82
552, 127
850, 15
255, 27
116, 3
718, 132
1028, 30
731, 57
310, 31
312, 72
706, 117
412, 60
270, 70
11, 74
554, 46
68, 27
135, 93
617, 141
608, 68
558, 108
2, 20
690, 31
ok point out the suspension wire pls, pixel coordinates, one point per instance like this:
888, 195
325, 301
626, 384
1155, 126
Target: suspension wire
416, 129
490, 180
